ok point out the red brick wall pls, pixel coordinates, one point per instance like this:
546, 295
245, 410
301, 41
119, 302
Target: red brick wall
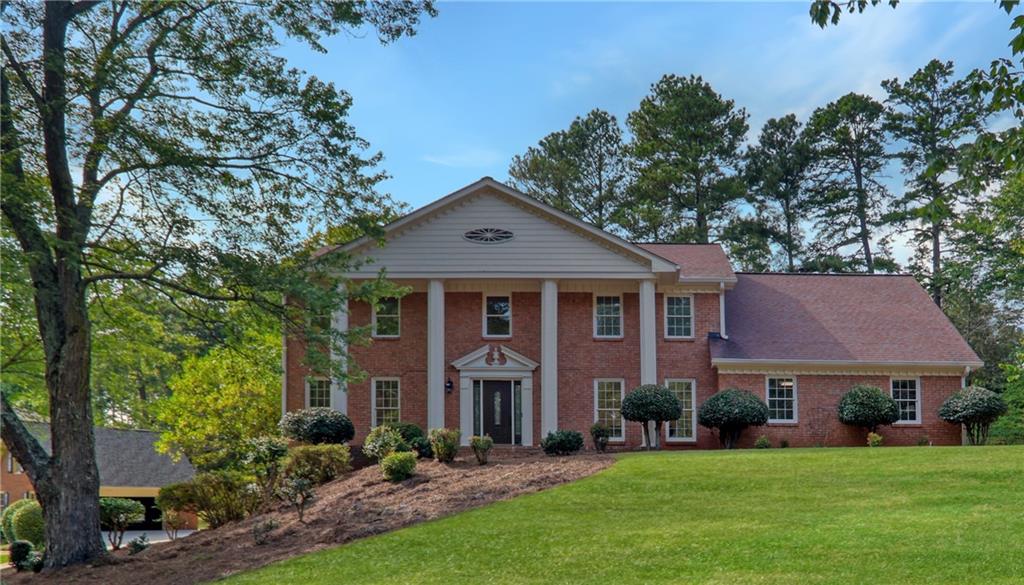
817, 403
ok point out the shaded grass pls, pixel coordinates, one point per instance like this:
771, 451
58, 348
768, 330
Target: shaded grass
891, 515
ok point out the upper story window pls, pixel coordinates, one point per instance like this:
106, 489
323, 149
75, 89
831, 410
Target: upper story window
907, 395
678, 316
387, 317
781, 397
607, 316
318, 393
497, 316
488, 235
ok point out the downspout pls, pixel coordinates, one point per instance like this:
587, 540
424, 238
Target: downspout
721, 309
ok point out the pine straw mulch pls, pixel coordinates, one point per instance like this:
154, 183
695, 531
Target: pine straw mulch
359, 505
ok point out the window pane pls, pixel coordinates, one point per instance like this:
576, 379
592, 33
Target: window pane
387, 320
387, 326
498, 306
388, 306
678, 317
608, 322
319, 393
781, 399
904, 392
609, 405
682, 428
386, 402
498, 325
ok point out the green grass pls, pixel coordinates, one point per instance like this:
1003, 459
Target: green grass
891, 515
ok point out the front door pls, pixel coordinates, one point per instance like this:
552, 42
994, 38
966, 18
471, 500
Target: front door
497, 411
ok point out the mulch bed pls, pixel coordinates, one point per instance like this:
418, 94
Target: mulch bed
359, 505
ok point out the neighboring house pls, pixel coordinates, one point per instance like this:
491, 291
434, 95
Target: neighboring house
523, 320
129, 466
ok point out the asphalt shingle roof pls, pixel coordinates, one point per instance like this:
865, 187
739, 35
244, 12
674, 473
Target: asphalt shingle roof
695, 260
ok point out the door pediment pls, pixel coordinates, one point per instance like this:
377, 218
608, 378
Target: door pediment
495, 357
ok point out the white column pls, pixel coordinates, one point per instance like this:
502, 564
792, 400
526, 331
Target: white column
548, 357
527, 397
435, 354
465, 408
339, 389
648, 341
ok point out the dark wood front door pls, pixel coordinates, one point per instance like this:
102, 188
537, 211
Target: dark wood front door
497, 403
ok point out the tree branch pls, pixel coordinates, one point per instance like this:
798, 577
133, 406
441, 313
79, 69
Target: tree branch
23, 445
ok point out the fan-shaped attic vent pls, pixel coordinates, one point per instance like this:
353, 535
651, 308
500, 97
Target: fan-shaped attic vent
488, 235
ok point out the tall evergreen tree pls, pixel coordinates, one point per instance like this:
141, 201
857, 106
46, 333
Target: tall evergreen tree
582, 170
686, 141
935, 119
848, 144
777, 172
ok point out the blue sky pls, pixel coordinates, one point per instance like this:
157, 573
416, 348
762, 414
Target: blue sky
483, 81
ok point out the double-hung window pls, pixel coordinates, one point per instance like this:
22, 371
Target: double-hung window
386, 401
907, 394
608, 406
678, 317
318, 393
497, 316
683, 429
780, 394
607, 316
387, 317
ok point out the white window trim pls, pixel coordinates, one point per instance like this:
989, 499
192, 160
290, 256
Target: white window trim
374, 320
330, 394
693, 415
917, 403
373, 397
664, 324
622, 316
483, 325
622, 395
796, 401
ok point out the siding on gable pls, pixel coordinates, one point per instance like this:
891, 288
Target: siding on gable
539, 246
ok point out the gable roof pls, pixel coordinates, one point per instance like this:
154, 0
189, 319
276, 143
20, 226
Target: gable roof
876, 319
657, 263
697, 262
127, 457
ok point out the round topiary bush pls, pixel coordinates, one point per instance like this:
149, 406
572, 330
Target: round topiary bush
317, 425
383, 441
651, 403
976, 408
562, 442
730, 412
868, 407
398, 466
318, 464
8, 515
27, 524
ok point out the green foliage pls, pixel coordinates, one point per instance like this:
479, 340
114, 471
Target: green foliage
445, 444
762, 442
27, 524
481, 447
651, 403
262, 459
408, 430
1010, 427
875, 440
600, 433
19, 552
421, 445
138, 544
868, 407
730, 412
398, 466
382, 441
262, 529
219, 401
172, 521
976, 408
8, 516
115, 516
686, 143
562, 442
318, 463
582, 171
217, 497
298, 493
176, 497
317, 425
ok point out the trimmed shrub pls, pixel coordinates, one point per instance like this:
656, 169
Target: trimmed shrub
481, 447
421, 445
173, 521
731, 411
976, 408
138, 544
408, 430
651, 403
262, 458
115, 516
383, 441
868, 407
398, 466
445, 444
875, 440
261, 531
600, 433
176, 497
317, 425
8, 514
217, 497
562, 442
318, 463
762, 442
28, 524
20, 551
298, 493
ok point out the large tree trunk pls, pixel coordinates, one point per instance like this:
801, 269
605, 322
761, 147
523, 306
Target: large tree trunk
862, 219
937, 263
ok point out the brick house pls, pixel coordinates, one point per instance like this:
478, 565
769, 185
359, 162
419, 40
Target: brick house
523, 320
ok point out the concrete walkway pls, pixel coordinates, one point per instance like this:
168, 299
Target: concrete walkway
153, 535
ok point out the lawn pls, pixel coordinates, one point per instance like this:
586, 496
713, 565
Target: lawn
891, 515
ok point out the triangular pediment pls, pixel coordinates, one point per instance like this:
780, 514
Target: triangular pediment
494, 356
